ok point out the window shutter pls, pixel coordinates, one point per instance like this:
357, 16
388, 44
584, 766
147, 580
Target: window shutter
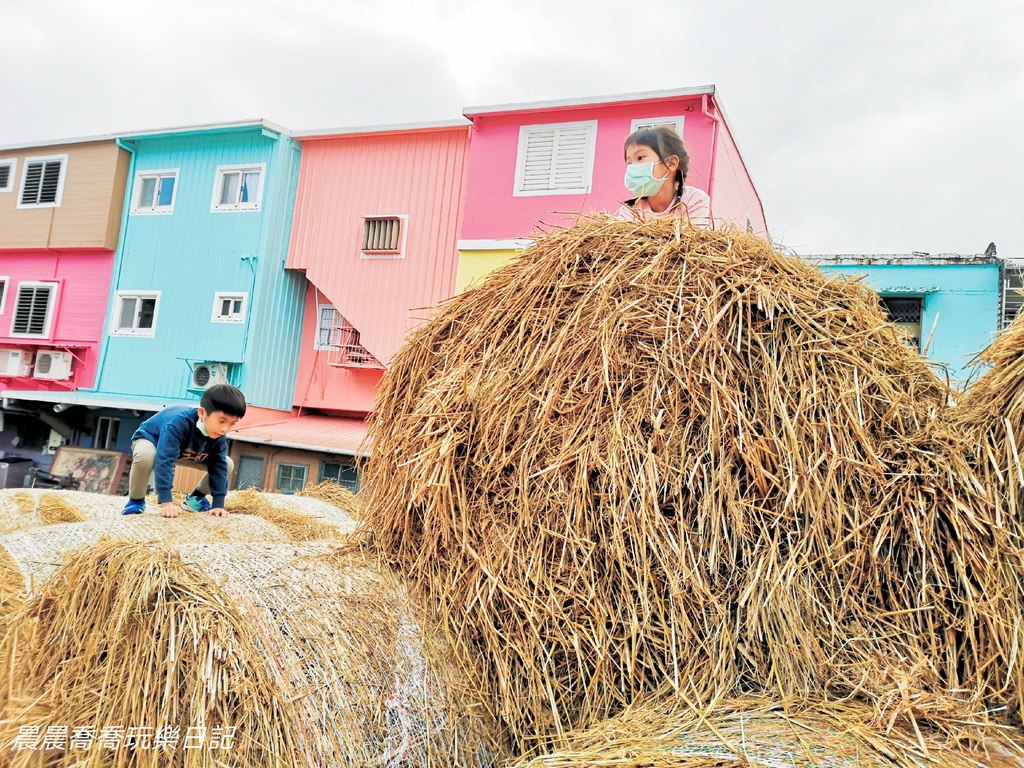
42, 181
51, 182
556, 158
382, 235
5, 176
33, 176
31, 310
540, 159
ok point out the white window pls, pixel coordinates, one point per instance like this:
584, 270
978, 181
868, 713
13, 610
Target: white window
106, 433
291, 477
135, 313
3, 293
154, 191
33, 313
238, 188
42, 182
8, 170
384, 236
229, 307
555, 159
328, 327
676, 123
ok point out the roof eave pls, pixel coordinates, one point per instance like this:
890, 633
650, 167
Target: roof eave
562, 104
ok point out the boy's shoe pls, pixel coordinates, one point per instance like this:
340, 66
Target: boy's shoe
194, 503
134, 507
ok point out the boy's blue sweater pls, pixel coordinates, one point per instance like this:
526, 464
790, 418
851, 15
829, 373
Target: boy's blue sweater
176, 435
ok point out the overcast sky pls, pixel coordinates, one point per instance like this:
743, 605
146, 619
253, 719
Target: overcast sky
878, 126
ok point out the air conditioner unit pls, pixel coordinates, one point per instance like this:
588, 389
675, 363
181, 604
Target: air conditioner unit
206, 375
15, 362
53, 364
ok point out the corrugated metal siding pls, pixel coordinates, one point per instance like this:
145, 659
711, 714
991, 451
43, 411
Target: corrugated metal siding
83, 279
90, 203
272, 362
343, 180
189, 256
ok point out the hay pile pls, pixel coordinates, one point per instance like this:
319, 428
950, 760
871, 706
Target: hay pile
744, 732
647, 455
307, 654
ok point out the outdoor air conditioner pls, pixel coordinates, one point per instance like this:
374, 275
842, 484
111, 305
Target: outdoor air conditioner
53, 364
206, 375
15, 362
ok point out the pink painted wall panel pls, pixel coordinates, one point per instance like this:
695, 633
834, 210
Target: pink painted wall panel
492, 212
318, 384
736, 200
83, 278
419, 174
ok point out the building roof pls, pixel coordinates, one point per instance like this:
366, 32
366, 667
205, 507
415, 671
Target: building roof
530, 106
327, 434
900, 259
96, 399
226, 127
366, 130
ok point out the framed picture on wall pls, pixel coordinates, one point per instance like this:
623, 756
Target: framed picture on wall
94, 471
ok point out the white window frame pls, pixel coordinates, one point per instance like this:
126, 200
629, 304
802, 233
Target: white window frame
220, 297
108, 444
218, 184
115, 319
6, 282
316, 332
156, 210
12, 176
51, 309
60, 180
400, 254
588, 170
676, 122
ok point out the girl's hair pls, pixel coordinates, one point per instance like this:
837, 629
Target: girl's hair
666, 142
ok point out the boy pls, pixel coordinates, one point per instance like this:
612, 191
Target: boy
190, 436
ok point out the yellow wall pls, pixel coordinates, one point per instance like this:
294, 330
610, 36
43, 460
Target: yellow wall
474, 265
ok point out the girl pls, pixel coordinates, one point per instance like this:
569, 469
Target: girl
656, 166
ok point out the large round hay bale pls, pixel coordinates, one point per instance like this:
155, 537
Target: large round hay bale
647, 454
303, 654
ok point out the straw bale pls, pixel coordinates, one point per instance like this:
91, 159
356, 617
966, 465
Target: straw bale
645, 453
758, 732
18, 509
29, 507
313, 655
304, 519
336, 495
991, 418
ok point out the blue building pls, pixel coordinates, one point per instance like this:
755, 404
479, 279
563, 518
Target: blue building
947, 305
199, 293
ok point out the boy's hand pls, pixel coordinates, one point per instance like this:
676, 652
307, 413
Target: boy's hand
219, 512
169, 509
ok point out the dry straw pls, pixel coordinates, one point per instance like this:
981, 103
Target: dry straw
748, 732
644, 454
310, 653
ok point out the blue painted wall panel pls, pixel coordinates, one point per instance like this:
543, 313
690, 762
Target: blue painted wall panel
193, 253
961, 305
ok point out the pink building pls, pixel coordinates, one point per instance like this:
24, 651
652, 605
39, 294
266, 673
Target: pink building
543, 163
61, 206
377, 218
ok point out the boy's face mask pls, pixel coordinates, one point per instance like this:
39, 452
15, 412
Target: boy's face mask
202, 427
641, 181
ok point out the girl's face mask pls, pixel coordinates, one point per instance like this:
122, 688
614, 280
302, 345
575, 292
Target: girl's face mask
641, 181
